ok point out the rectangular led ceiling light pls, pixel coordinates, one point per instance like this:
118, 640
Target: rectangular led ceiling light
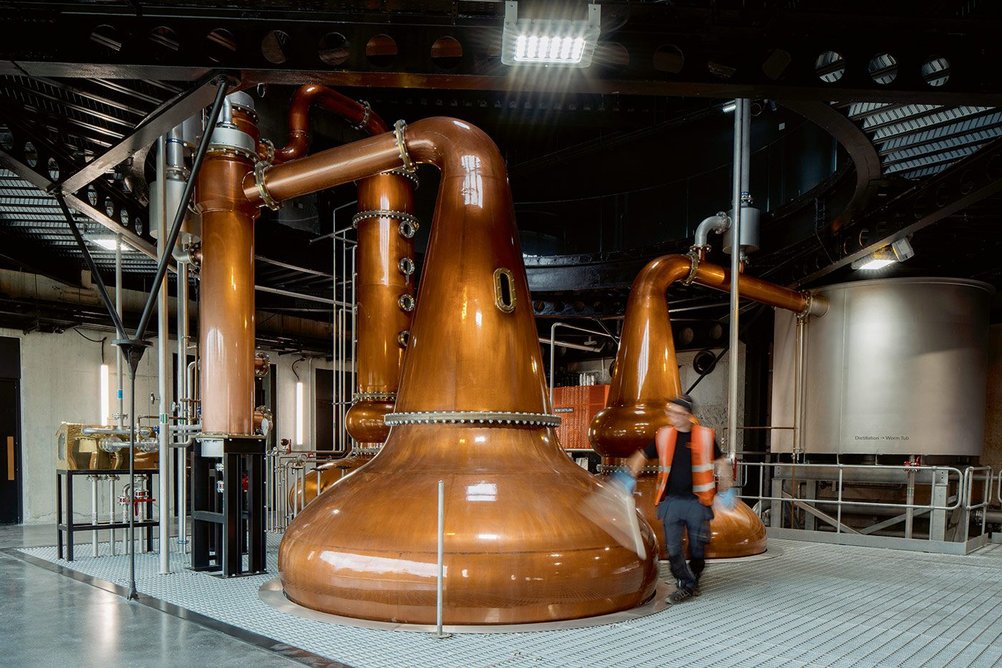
108, 243
549, 41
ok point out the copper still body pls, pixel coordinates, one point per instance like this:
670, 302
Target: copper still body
646, 376
472, 411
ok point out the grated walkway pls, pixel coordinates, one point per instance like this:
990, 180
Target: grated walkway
812, 605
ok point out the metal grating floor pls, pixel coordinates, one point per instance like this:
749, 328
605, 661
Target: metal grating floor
812, 605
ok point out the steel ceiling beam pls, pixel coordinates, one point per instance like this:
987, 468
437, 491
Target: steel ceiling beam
766, 49
169, 115
45, 185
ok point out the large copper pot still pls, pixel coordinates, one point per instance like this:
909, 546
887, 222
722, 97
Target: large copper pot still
472, 411
646, 376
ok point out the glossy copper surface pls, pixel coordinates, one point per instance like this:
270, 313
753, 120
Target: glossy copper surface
226, 310
516, 548
331, 100
364, 420
645, 375
317, 481
735, 532
379, 285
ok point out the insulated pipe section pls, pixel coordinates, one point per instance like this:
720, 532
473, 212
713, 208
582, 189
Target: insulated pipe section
226, 313
646, 371
718, 224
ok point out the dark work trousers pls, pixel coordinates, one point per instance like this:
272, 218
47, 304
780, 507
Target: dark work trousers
681, 514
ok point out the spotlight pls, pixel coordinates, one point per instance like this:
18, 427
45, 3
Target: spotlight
899, 251
549, 41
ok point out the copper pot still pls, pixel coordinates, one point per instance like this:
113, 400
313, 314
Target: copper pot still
645, 378
472, 411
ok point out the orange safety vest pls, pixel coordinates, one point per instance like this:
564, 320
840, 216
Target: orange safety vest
701, 445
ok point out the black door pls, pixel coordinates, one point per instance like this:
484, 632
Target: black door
10, 454
325, 409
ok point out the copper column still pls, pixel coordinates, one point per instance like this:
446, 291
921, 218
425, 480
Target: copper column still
472, 410
646, 377
385, 263
226, 313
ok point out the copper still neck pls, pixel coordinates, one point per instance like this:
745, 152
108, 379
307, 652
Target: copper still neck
646, 370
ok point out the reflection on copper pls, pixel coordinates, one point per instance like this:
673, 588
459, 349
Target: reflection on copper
735, 532
226, 311
317, 481
516, 549
645, 376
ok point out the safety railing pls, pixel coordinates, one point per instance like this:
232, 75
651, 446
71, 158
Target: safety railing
972, 475
287, 481
949, 488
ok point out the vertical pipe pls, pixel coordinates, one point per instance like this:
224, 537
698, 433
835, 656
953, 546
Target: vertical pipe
183, 404
798, 380
111, 512
910, 500
93, 510
838, 524
130, 506
439, 586
163, 341
741, 124
119, 371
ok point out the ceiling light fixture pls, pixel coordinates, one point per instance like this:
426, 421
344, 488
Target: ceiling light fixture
899, 251
108, 243
549, 41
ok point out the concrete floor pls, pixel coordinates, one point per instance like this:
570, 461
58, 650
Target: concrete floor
47, 619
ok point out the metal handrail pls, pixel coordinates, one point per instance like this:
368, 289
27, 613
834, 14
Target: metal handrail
839, 502
998, 490
969, 474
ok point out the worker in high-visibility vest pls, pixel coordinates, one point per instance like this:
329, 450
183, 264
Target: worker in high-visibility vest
688, 457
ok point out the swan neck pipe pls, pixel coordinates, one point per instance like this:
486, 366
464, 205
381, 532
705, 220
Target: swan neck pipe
355, 112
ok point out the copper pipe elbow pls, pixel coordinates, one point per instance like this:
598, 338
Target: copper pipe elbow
353, 111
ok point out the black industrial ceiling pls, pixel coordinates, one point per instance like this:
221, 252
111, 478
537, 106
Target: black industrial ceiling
873, 121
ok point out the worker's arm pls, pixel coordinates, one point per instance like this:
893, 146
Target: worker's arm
636, 462
724, 472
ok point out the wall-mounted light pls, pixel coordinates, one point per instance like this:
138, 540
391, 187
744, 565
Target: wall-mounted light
729, 107
105, 397
899, 251
549, 41
299, 413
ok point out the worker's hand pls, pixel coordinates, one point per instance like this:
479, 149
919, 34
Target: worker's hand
728, 498
624, 481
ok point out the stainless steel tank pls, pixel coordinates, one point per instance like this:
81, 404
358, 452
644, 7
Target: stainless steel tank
896, 366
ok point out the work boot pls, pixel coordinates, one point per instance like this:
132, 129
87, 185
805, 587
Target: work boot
680, 595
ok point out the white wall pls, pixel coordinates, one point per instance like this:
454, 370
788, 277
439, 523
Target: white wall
286, 398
